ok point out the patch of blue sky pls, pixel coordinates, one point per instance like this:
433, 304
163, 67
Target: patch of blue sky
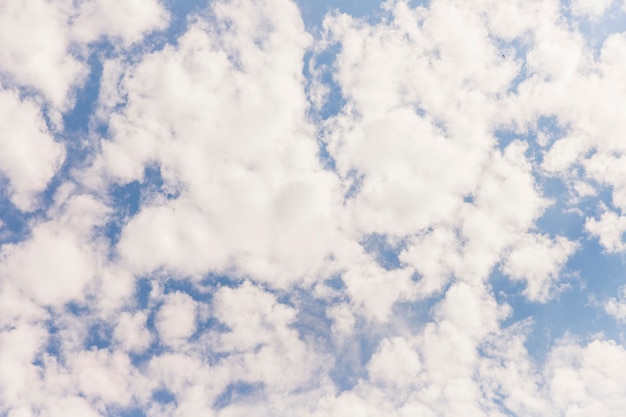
322, 63
127, 199
514, 50
163, 396
335, 283
318, 68
189, 287
414, 315
15, 223
312, 322
156, 348
325, 158
237, 392
212, 280
99, 332
353, 354
561, 217
77, 131
384, 250
76, 121
355, 179
202, 294
180, 12
589, 278
53, 343
99, 335
546, 126
129, 412
596, 30
313, 12
143, 288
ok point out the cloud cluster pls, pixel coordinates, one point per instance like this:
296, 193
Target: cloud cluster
271, 259
43, 42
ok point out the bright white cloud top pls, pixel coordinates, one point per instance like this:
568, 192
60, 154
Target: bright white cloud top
279, 208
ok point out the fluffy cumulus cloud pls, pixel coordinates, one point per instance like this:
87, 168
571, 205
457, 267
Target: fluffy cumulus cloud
242, 207
44, 43
538, 260
29, 154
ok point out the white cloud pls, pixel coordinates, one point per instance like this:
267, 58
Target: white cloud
395, 363
538, 260
588, 380
609, 230
343, 319
127, 20
34, 41
53, 267
71, 407
43, 43
374, 290
132, 333
18, 347
176, 319
506, 205
103, 375
432, 255
222, 112
263, 347
591, 9
29, 154
616, 307
509, 373
241, 185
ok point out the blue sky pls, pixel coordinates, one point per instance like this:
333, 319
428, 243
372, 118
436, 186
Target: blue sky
271, 207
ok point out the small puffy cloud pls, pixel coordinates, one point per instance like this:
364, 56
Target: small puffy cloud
343, 319
126, 20
131, 332
616, 306
374, 290
34, 48
18, 347
176, 319
29, 154
565, 152
432, 255
506, 204
609, 229
81, 213
52, 267
262, 345
103, 375
588, 380
395, 363
538, 260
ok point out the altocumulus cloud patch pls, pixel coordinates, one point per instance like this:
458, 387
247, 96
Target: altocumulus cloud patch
279, 208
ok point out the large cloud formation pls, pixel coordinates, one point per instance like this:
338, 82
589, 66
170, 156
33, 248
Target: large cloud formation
254, 228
